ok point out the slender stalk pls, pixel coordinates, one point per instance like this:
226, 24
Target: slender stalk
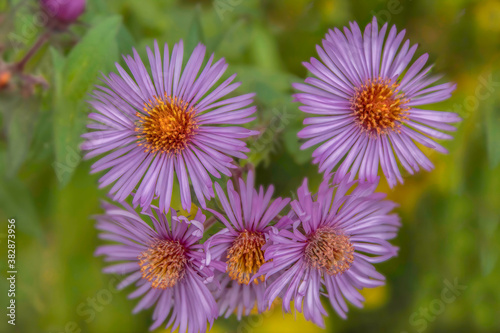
277, 218
39, 43
210, 222
236, 174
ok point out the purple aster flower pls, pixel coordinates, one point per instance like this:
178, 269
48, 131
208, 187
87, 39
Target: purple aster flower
369, 96
247, 217
335, 239
165, 262
151, 129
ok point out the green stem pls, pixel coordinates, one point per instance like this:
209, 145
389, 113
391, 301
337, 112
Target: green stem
39, 43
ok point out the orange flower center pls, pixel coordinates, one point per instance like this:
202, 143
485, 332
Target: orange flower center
330, 251
163, 263
166, 126
245, 256
378, 106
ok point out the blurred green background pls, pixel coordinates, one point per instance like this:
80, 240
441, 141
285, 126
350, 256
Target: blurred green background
450, 216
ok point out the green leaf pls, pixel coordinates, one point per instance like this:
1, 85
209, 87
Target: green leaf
58, 62
261, 146
20, 132
95, 53
16, 201
292, 143
272, 87
264, 50
125, 40
195, 33
492, 124
19, 117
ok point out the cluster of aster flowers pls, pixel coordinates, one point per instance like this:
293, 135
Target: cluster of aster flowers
166, 124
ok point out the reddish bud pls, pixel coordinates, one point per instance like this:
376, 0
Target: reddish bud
63, 12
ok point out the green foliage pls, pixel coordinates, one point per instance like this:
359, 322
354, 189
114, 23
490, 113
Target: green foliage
450, 216
492, 125
20, 118
73, 79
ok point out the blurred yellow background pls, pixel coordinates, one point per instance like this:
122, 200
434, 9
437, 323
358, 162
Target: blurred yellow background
450, 233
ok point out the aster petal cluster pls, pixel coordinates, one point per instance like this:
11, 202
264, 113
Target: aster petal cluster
165, 122
165, 262
337, 235
369, 99
247, 216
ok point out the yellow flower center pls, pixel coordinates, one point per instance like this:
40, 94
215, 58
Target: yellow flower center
330, 251
378, 106
163, 263
166, 126
245, 256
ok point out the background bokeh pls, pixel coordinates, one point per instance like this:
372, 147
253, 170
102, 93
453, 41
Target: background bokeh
450, 232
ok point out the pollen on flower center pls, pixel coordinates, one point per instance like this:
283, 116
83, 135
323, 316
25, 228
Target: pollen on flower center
163, 263
378, 106
330, 250
245, 256
166, 126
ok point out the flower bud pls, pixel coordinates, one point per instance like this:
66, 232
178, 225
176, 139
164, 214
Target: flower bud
5, 77
63, 12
